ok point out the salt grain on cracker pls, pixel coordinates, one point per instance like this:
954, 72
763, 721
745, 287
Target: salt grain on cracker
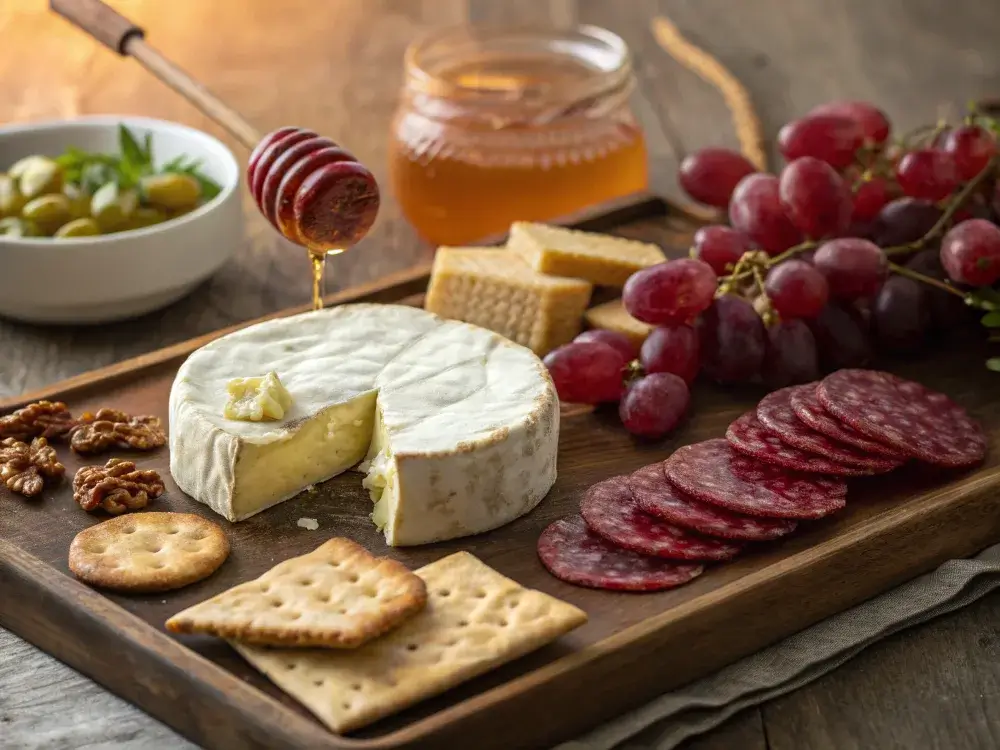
307, 523
146, 552
337, 596
475, 620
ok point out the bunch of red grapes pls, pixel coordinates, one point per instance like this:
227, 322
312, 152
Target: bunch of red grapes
857, 245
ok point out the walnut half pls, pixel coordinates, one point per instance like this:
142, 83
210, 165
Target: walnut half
24, 468
111, 428
117, 487
47, 419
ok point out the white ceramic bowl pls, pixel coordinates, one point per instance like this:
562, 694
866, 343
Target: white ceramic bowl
116, 276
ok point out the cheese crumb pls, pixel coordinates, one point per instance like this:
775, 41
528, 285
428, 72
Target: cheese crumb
257, 399
308, 523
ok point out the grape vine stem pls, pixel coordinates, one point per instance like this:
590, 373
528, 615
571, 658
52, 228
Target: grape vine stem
911, 274
948, 214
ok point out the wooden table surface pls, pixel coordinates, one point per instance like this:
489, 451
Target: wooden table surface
335, 66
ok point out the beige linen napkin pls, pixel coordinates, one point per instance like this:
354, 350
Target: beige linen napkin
798, 660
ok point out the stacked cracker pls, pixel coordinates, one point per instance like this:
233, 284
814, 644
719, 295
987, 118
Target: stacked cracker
536, 289
355, 638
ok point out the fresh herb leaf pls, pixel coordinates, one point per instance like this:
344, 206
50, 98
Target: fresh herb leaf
991, 319
148, 147
993, 363
984, 298
132, 153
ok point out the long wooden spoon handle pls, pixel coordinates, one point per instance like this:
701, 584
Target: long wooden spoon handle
112, 29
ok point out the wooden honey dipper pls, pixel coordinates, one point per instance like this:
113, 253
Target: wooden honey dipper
314, 192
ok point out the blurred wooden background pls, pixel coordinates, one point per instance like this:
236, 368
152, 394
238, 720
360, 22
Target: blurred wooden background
335, 66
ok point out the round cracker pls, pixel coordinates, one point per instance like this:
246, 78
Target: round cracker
148, 552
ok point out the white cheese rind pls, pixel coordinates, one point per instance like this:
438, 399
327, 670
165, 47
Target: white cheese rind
471, 419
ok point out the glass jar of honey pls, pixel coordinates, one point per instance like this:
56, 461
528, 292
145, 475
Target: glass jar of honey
503, 125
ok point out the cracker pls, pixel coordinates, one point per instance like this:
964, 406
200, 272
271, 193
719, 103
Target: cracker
475, 620
146, 552
337, 596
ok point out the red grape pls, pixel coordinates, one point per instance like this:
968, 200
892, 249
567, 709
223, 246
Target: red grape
841, 337
854, 268
756, 211
586, 372
971, 148
947, 310
829, 138
995, 201
790, 357
721, 247
732, 340
796, 289
615, 340
671, 292
904, 220
927, 173
673, 349
711, 174
970, 252
901, 314
869, 199
872, 120
815, 197
654, 405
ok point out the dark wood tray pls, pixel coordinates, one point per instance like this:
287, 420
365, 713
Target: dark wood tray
634, 646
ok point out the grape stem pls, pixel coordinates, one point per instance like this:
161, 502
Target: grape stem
949, 212
740, 274
911, 274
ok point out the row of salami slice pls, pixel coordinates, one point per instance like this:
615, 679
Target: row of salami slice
782, 463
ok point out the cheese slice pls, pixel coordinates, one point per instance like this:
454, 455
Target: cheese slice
460, 426
495, 289
598, 258
612, 316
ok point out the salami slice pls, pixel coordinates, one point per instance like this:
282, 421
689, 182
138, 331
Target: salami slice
573, 553
655, 495
611, 511
905, 415
715, 473
808, 408
748, 436
776, 414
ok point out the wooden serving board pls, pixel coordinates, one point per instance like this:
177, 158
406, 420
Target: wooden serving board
635, 646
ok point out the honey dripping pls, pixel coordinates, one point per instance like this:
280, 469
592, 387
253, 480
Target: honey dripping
318, 261
460, 182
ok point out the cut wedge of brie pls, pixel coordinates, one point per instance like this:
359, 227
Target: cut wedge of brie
458, 427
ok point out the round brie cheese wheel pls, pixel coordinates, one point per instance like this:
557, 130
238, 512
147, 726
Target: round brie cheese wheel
457, 427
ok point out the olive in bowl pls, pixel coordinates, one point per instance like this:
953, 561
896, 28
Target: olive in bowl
105, 218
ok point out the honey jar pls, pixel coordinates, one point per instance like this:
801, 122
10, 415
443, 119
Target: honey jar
503, 125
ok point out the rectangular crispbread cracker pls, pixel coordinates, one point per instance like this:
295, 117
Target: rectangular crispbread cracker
601, 259
475, 620
612, 316
337, 596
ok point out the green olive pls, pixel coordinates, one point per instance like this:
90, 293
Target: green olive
170, 190
19, 167
78, 228
49, 212
40, 177
145, 216
12, 226
11, 200
79, 201
111, 206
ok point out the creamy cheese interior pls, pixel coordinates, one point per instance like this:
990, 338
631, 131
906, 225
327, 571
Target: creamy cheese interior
325, 446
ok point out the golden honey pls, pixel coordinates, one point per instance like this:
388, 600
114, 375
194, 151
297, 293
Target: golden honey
496, 126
